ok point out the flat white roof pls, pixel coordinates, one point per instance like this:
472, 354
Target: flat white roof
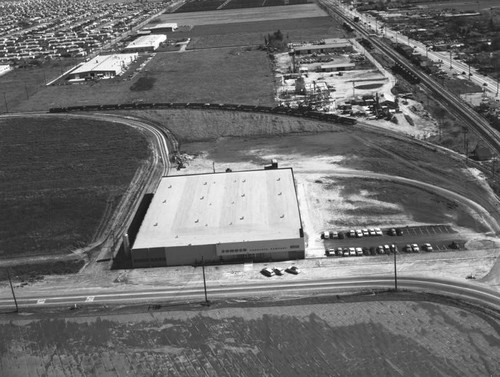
150, 40
106, 63
221, 207
164, 25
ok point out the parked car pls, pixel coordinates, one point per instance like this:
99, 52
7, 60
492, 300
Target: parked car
341, 235
427, 247
399, 232
372, 232
293, 270
339, 252
378, 232
352, 233
414, 248
352, 252
387, 249
366, 251
325, 235
394, 248
373, 250
330, 251
359, 233
345, 253
392, 232
366, 233
278, 271
334, 235
267, 272
380, 249
359, 251
408, 248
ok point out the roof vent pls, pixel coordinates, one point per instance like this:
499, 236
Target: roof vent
197, 220
165, 201
282, 216
280, 193
155, 224
202, 198
242, 217
242, 195
204, 184
170, 186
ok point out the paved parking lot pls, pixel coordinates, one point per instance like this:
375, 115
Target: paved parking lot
441, 237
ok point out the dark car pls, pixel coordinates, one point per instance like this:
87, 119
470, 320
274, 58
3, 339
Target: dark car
293, 270
392, 232
399, 232
341, 235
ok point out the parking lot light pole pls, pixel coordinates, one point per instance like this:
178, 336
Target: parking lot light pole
395, 273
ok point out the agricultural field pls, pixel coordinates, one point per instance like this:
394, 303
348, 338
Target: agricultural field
389, 335
59, 176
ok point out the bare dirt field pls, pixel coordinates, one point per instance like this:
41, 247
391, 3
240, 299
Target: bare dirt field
244, 15
387, 335
59, 178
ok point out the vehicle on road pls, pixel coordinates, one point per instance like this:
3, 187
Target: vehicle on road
294, 270
267, 272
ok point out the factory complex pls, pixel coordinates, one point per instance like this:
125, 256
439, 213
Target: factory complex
103, 66
226, 217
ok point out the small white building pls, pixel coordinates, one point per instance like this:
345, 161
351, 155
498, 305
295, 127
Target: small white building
103, 67
146, 43
4, 68
161, 28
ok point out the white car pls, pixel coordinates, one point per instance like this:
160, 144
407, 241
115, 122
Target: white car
267, 272
280, 271
352, 252
378, 232
293, 270
359, 251
359, 233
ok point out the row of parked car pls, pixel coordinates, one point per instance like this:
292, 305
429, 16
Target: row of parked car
358, 233
381, 249
271, 271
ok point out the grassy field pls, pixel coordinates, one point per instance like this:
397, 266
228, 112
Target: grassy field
232, 75
397, 335
58, 177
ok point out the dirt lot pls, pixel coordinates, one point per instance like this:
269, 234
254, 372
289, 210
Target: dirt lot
354, 336
59, 176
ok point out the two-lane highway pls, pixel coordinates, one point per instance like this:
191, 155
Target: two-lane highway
270, 289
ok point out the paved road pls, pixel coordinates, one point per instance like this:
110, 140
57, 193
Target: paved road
273, 287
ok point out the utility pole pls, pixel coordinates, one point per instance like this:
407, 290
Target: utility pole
451, 66
207, 303
12, 289
395, 273
6, 107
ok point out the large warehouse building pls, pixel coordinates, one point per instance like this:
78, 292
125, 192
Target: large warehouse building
103, 67
221, 217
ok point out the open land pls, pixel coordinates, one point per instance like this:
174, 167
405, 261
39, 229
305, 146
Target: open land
59, 178
354, 336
